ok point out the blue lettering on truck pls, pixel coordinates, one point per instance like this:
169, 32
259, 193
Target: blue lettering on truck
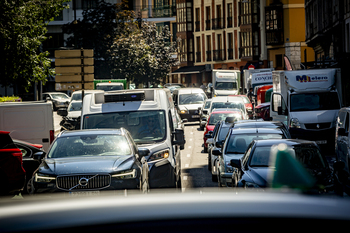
305, 78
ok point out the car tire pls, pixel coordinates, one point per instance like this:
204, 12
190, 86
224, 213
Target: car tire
205, 149
209, 163
214, 178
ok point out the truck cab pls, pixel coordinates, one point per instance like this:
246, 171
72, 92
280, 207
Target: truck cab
150, 116
308, 101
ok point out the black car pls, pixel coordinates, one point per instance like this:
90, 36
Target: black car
89, 161
254, 169
12, 173
29, 163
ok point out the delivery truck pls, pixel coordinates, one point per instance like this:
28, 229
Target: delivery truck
308, 101
256, 77
30, 121
226, 82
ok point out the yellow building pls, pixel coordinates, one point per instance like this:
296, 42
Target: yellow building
285, 33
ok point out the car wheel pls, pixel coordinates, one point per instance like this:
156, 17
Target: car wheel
29, 186
205, 149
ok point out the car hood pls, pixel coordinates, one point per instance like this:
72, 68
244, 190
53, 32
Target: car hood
260, 175
190, 106
74, 114
81, 165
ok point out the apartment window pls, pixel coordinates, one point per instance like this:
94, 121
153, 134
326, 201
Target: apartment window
198, 20
230, 45
89, 4
181, 17
207, 18
208, 52
229, 15
274, 24
218, 54
198, 51
217, 22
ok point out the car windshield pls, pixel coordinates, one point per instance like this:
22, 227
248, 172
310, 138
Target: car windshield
238, 144
238, 105
75, 106
226, 85
59, 96
191, 98
309, 156
314, 101
144, 126
207, 104
90, 145
223, 133
216, 117
109, 87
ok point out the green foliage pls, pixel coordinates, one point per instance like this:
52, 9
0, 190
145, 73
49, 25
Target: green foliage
97, 30
121, 48
22, 31
10, 99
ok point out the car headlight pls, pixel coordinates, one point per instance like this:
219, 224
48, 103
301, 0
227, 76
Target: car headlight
183, 111
43, 178
128, 174
159, 155
294, 123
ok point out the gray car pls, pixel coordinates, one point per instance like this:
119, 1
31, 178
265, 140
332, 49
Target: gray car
58, 99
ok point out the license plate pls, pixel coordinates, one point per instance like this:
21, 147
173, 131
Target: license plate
83, 193
321, 142
195, 116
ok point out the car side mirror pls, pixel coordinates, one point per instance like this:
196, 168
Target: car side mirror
142, 152
342, 132
235, 163
218, 144
62, 112
39, 156
216, 152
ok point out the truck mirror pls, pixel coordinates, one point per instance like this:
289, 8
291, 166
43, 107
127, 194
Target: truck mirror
179, 138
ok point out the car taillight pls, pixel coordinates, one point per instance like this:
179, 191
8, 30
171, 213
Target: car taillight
52, 136
15, 152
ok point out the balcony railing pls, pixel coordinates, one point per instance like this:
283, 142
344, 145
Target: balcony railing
218, 55
217, 23
164, 11
198, 57
208, 53
207, 24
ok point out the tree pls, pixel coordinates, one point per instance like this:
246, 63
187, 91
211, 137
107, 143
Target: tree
97, 30
144, 55
22, 31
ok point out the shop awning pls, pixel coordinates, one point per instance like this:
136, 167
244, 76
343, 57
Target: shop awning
189, 70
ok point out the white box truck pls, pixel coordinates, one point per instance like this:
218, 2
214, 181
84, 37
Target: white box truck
256, 77
226, 82
30, 121
308, 101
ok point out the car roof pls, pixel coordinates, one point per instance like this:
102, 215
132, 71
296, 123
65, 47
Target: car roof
257, 123
226, 99
255, 130
289, 142
190, 90
71, 133
226, 110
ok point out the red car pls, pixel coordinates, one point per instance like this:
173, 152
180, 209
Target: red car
248, 105
263, 111
220, 115
13, 175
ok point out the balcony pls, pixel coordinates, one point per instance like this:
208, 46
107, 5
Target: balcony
218, 55
208, 53
198, 57
163, 11
207, 24
217, 23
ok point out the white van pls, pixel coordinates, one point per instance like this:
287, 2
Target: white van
189, 102
149, 115
342, 137
30, 121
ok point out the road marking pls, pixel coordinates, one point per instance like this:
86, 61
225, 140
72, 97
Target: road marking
188, 155
185, 178
186, 165
189, 147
